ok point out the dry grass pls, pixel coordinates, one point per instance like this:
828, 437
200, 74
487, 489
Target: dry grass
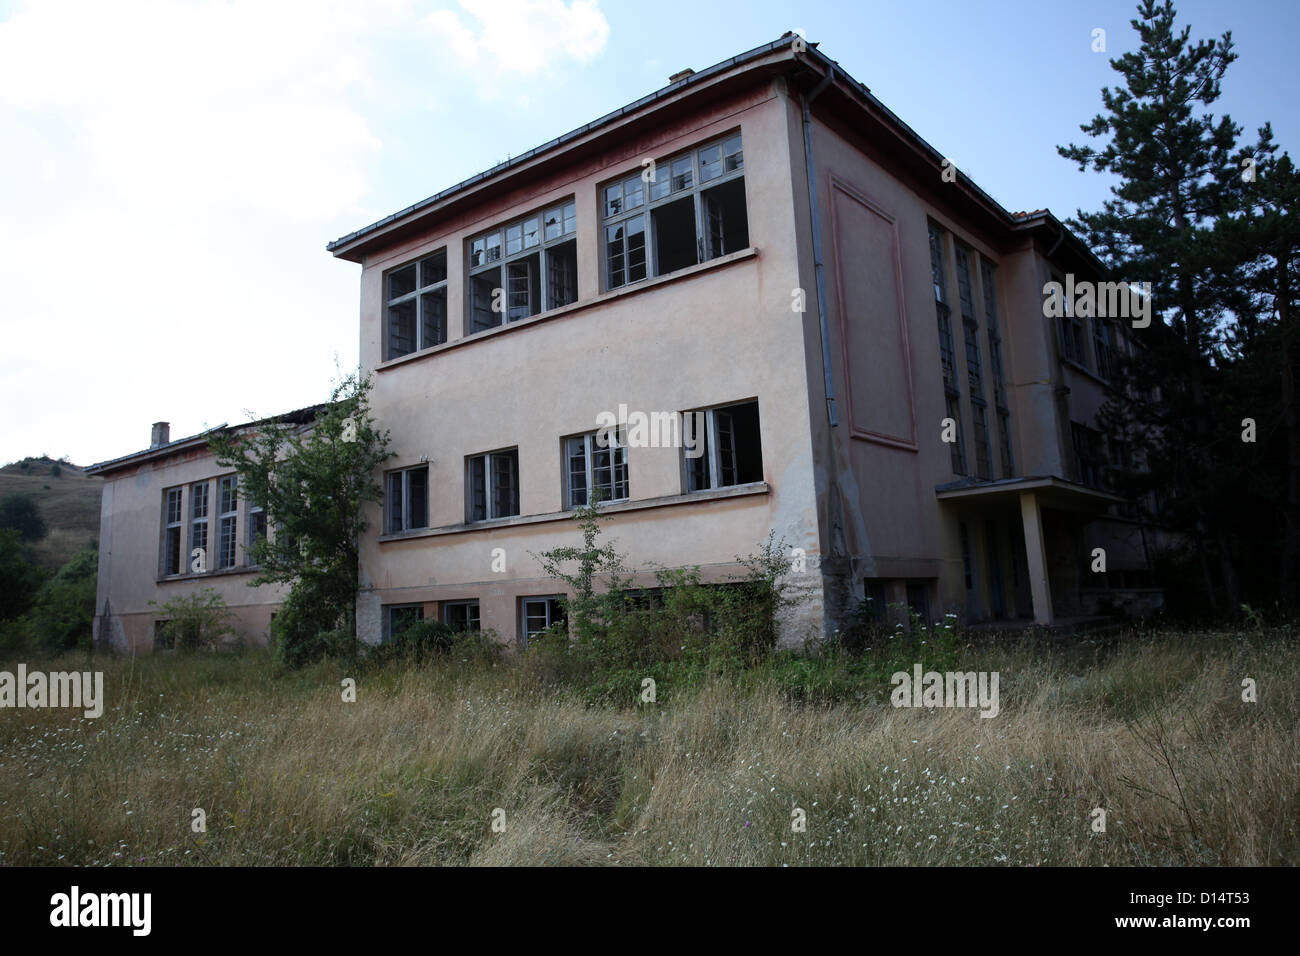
69, 504
412, 773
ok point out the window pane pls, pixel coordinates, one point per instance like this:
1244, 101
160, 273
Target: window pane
514, 238
613, 200
417, 489
570, 218
726, 218
519, 289
505, 490
683, 174
394, 501
633, 193
482, 289
199, 498
492, 247
562, 275
660, 184
401, 329
478, 488
554, 220
733, 155
433, 318
636, 265
674, 232
575, 456
710, 163
614, 261
433, 269
531, 237
401, 282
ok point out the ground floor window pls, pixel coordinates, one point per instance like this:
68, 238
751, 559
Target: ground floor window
539, 613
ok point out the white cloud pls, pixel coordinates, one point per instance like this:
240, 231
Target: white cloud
169, 176
522, 36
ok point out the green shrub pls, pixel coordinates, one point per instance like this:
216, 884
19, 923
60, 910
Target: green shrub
196, 621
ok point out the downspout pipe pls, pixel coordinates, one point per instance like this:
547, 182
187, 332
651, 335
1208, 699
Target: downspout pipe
811, 168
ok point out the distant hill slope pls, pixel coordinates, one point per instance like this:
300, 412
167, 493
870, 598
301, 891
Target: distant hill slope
69, 502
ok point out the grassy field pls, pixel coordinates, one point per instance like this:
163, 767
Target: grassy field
1153, 729
69, 503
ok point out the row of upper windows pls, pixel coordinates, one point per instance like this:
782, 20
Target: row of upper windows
688, 209
945, 248
190, 521
721, 448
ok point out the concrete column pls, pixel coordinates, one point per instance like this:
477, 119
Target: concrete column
1036, 555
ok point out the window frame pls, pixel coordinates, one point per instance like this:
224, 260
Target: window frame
417, 295
568, 233
556, 613
223, 516
713, 448
489, 488
406, 499
473, 621
618, 461
648, 204
201, 520
170, 545
386, 633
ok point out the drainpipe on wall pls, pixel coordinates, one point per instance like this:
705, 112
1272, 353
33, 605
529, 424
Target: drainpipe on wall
829, 381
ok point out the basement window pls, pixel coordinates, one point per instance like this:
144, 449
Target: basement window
461, 615
398, 617
537, 614
691, 211
721, 447
492, 485
523, 268
417, 306
406, 499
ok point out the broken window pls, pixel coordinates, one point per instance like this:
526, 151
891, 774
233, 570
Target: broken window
591, 464
417, 306
199, 522
536, 614
171, 547
523, 268
407, 499
461, 615
492, 485
227, 505
726, 451
692, 210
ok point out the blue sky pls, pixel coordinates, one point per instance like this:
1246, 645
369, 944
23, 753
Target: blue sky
171, 172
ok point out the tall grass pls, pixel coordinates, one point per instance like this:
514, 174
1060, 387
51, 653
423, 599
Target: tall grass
1153, 730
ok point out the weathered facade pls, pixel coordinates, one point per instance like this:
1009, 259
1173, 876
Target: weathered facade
803, 321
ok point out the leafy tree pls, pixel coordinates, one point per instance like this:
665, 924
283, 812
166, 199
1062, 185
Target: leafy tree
21, 513
20, 579
314, 482
1177, 185
63, 615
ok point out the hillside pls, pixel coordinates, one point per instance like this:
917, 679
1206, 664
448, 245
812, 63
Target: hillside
69, 503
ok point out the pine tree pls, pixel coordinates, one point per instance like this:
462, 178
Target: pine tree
1177, 183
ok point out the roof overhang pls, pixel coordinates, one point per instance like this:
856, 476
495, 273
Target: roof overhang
1051, 492
299, 416
859, 109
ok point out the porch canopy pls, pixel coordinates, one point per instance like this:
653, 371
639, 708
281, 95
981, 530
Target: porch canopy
1035, 492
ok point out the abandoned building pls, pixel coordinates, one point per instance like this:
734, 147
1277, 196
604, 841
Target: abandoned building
858, 329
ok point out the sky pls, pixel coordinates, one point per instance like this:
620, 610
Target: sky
171, 172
